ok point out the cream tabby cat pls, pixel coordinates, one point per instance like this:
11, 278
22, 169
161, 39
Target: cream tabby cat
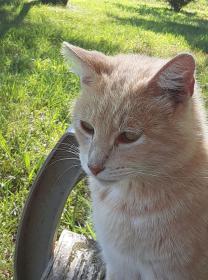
141, 129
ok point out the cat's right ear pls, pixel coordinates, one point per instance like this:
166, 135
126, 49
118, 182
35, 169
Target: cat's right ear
175, 79
88, 65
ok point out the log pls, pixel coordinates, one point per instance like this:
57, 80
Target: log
75, 258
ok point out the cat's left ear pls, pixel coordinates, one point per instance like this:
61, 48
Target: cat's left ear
176, 78
88, 65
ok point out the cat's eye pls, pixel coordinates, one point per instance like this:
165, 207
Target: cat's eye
128, 137
87, 127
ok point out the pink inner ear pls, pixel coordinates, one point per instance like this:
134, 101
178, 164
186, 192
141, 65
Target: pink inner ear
190, 86
86, 64
176, 78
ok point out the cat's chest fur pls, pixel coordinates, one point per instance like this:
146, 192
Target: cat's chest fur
144, 231
126, 220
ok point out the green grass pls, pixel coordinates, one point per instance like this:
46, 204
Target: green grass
36, 90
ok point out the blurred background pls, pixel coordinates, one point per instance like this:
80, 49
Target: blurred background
37, 90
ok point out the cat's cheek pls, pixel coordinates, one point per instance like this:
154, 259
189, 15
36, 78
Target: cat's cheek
83, 156
82, 138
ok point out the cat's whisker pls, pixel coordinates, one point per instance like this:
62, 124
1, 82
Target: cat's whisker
72, 146
131, 171
67, 151
146, 172
123, 171
73, 166
143, 173
62, 159
69, 148
121, 174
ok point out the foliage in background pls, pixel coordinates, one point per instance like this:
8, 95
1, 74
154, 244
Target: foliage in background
177, 5
55, 2
36, 89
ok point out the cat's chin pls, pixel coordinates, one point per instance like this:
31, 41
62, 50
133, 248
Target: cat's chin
105, 181
101, 178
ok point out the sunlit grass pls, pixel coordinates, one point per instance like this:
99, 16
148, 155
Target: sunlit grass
36, 89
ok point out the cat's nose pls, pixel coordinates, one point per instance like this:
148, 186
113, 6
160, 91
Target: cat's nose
95, 169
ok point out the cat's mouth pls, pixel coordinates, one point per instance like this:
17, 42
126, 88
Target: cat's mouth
103, 177
106, 178
107, 175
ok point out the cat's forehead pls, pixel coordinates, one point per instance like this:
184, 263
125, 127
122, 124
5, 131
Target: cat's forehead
119, 98
135, 67
130, 75
114, 113
114, 106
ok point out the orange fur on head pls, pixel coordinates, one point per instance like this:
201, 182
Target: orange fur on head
141, 128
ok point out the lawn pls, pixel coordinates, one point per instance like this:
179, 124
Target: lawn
36, 89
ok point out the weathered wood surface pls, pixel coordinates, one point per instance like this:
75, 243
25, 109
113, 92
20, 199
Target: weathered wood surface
75, 258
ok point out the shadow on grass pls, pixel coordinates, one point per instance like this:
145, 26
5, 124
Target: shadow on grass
30, 40
55, 35
8, 16
12, 14
163, 20
156, 11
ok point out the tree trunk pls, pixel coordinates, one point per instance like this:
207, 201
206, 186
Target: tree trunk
75, 258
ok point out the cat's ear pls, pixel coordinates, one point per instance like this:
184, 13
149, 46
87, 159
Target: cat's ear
176, 78
88, 65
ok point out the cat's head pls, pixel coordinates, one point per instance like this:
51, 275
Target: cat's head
134, 114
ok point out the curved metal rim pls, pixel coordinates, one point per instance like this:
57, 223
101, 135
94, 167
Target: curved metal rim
43, 209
